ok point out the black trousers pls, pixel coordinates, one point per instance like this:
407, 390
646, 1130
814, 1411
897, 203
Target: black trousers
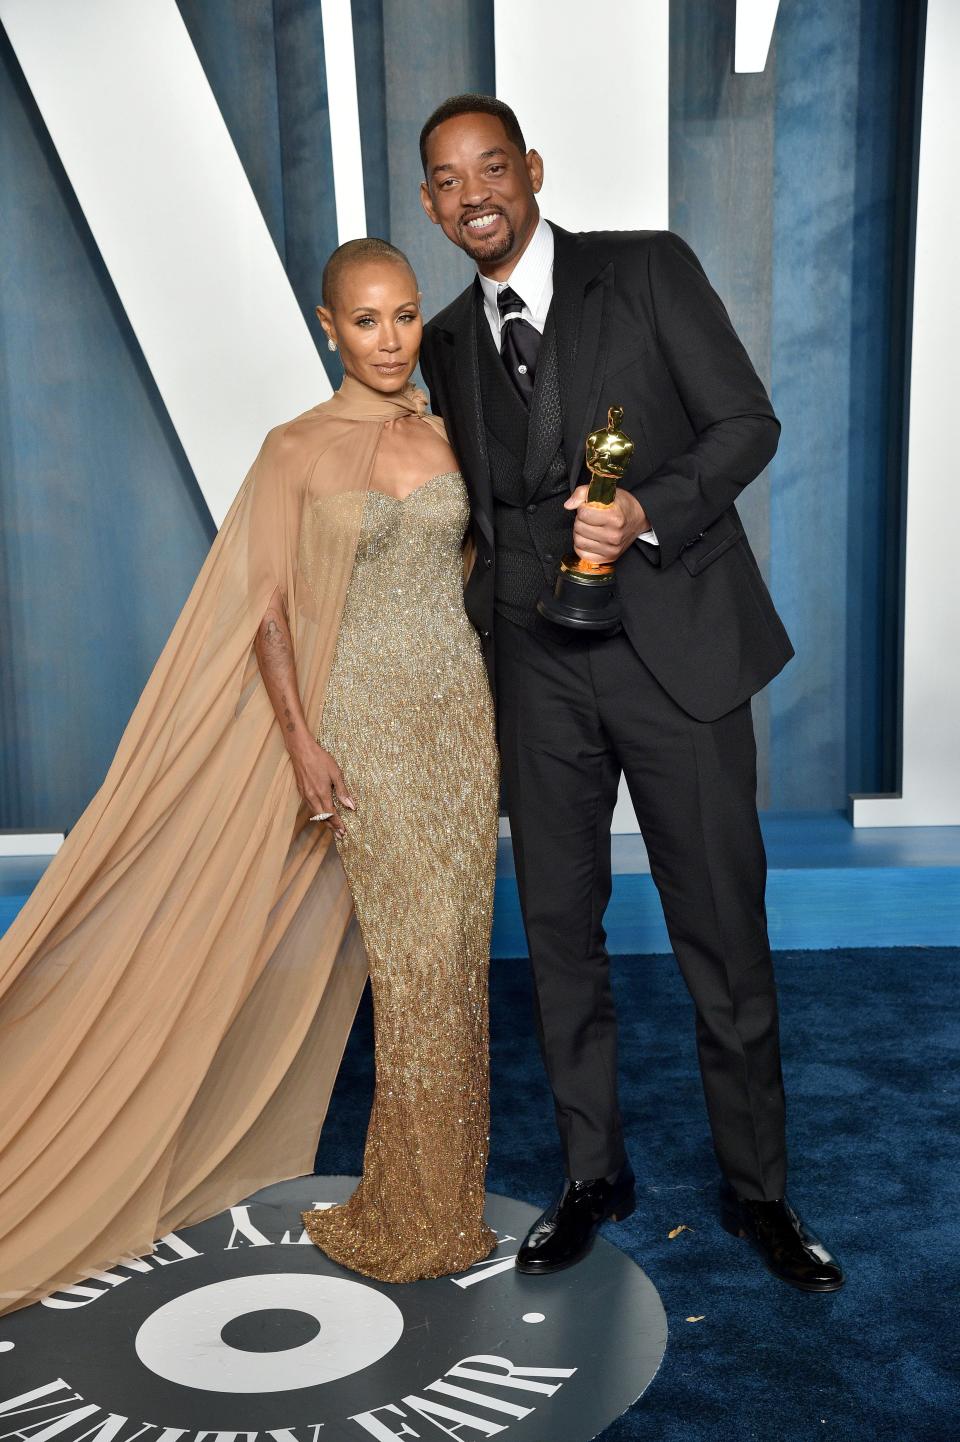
574, 712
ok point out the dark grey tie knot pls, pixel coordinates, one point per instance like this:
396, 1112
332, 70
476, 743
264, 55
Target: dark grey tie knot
509, 303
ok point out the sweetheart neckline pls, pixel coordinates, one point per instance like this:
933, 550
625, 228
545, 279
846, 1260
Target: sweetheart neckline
401, 500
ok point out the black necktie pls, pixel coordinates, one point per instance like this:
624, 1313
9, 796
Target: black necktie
519, 343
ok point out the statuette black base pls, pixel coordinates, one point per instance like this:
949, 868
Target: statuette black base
583, 602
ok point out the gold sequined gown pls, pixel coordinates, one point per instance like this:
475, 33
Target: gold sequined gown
409, 719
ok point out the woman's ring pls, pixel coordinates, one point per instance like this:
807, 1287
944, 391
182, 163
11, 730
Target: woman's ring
322, 816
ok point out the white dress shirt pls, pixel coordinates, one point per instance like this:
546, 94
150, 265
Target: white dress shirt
532, 279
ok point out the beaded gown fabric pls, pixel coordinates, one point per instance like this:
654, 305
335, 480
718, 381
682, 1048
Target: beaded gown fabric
408, 717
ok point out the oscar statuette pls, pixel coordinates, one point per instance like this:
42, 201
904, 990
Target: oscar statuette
585, 594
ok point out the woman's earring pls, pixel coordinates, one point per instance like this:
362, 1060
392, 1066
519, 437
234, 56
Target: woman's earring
331, 343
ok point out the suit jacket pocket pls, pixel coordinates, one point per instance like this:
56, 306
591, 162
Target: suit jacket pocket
704, 549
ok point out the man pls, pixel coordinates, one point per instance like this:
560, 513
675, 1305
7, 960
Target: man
522, 366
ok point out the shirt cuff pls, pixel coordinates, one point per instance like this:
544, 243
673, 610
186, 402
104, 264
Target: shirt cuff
650, 537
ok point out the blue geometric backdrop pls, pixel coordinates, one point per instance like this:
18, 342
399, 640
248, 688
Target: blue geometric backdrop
793, 186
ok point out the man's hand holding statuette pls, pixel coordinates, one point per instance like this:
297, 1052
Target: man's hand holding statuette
604, 534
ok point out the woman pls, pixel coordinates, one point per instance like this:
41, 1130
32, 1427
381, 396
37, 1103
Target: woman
408, 718
176, 994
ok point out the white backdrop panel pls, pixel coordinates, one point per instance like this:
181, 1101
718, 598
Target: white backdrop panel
136, 125
755, 22
930, 793
341, 71
590, 87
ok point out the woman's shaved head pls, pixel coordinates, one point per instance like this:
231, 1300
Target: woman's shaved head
353, 252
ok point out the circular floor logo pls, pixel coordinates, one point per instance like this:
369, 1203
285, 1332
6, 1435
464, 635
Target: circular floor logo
241, 1325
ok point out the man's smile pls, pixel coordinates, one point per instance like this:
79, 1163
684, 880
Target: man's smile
484, 222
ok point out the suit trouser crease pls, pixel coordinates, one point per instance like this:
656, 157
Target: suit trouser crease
769, 1179
580, 1060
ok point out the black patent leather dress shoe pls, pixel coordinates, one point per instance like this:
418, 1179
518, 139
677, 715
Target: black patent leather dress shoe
787, 1248
565, 1232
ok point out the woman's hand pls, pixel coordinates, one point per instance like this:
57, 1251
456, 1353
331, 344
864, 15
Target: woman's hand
319, 778
320, 782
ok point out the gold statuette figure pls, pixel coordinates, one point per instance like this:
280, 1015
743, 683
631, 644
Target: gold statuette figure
585, 596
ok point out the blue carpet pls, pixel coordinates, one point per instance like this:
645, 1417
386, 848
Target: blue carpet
871, 1042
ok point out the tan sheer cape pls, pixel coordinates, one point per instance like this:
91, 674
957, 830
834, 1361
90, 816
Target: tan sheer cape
176, 995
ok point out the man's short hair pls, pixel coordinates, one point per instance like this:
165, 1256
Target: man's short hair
471, 105
366, 247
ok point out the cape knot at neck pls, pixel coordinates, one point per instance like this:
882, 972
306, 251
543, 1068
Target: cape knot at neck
357, 401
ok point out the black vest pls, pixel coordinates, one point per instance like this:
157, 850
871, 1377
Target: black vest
528, 475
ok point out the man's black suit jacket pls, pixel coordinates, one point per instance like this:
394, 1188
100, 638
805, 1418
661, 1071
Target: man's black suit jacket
639, 325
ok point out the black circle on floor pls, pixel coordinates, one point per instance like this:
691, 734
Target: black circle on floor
207, 1335
271, 1329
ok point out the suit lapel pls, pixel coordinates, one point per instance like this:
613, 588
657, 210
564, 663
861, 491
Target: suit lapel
582, 297
466, 412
